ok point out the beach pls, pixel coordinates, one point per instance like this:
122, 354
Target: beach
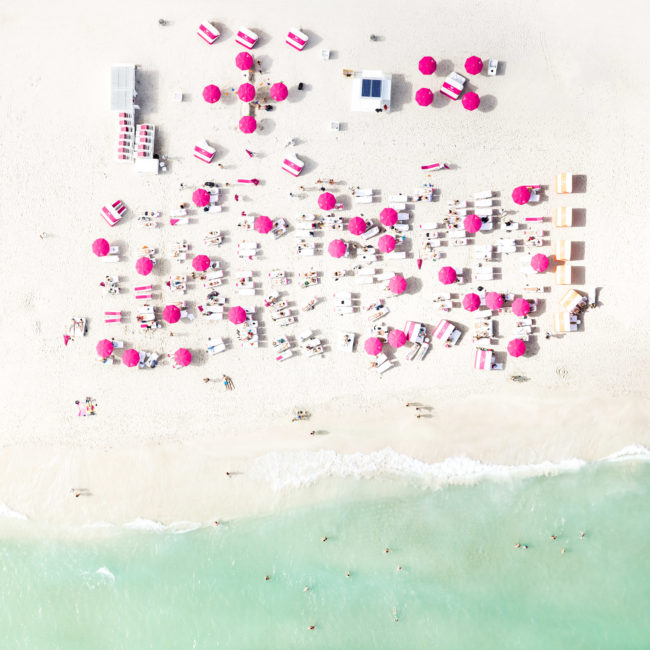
162, 440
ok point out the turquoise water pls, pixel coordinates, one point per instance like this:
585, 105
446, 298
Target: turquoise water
463, 584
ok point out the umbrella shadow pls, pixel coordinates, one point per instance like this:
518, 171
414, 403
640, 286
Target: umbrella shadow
444, 67
414, 285
440, 100
310, 164
266, 126
488, 103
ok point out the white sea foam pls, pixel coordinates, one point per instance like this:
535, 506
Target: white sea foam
286, 470
157, 527
103, 571
7, 513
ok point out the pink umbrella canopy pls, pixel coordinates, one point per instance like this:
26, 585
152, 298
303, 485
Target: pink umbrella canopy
472, 223
520, 307
130, 358
326, 201
396, 338
471, 301
494, 300
171, 314
397, 284
388, 217
236, 315
201, 263
539, 262
470, 101
278, 92
424, 97
183, 357
104, 348
101, 247
474, 65
357, 226
246, 92
337, 248
247, 124
201, 197
521, 195
516, 348
427, 65
144, 266
447, 275
373, 346
211, 94
263, 224
244, 61
386, 243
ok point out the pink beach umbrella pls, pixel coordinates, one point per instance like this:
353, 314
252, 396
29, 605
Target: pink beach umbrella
427, 65
373, 346
424, 97
244, 61
278, 92
326, 201
101, 247
246, 92
472, 223
388, 217
539, 262
201, 197
494, 300
386, 243
211, 94
247, 124
447, 275
130, 358
263, 224
396, 338
337, 248
144, 266
397, 284
183, 357
357, 226
236, 315
474, 65
521, 195
104, 348
471, 301
516, 348
520, 307
171, 314
470, 101
201, 263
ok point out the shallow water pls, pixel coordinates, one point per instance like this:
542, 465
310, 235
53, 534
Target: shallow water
463, 584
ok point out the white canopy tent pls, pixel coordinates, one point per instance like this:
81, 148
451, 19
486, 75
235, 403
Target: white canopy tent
123, 88
371, 90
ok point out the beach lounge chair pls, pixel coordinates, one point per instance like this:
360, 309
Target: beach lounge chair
346, 341
297, 40
592, 300
564, 184
284, 355
506, 246
563, 274
112, 316
286, 321
563, 217
179, 221
572, 299
293, 165
246, 38
203, 151
483, 203
453, 85
113, 212
216, 345
385, 365
208, 32
482, 195
369, 234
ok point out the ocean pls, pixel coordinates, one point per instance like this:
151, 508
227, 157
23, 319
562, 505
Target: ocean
429, 567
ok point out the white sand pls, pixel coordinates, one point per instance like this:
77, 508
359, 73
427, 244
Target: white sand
571, 99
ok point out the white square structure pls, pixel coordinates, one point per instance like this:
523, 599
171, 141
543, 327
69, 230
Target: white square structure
371, 90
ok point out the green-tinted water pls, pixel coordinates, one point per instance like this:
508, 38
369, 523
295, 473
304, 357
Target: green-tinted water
463, 584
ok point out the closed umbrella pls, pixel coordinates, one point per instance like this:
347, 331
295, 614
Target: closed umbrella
427, 65
244, 61
104, 348
171, 314
472, 223
201, 263
247, 124
263, 224
424, 96
183, 357
130, 358
539, 262
144, 266
357, 226
326, 201
101, 247
494, 300
386, 243
474, 65
373, 346
520, 307
337, 248
388, 217
236, 315
447, 275
516, 348
397, 284
211, 94
396, 338
278, 92
201, 197
471, 301
521, 195
471, 101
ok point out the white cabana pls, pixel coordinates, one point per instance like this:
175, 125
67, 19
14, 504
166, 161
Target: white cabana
123, 88
571, 299
562, 250
371, 90
483, 359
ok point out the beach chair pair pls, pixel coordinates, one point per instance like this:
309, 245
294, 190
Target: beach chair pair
113, 213
204, 152
208, 32
293, 165
382, 363
145, 292
112, 316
